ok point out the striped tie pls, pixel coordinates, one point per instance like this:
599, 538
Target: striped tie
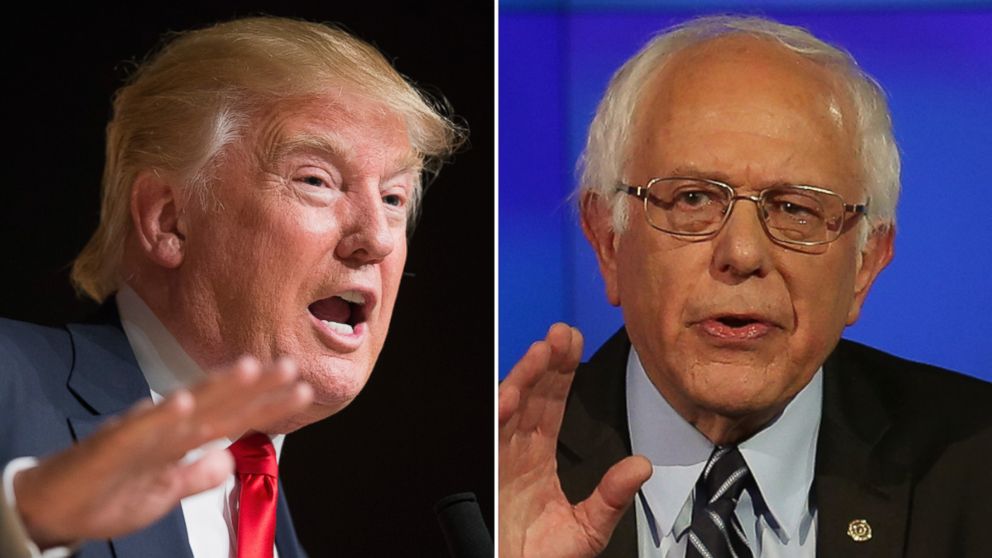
715, 531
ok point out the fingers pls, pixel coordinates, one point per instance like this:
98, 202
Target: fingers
526, 372
520, 383
282, 406
533, 395
247, 397
130, 472
542, 398
532, 405
554, 352
509, 401
229, 403
573, 356
205, 473
601, 512
562, 340
566, 353
137, 436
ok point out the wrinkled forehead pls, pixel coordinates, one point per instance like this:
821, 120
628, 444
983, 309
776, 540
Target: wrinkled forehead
342, 125
747, 88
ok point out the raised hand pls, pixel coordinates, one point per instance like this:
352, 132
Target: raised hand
131, 472
535, 518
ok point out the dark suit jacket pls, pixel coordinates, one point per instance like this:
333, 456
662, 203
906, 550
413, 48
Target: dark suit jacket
57, 385
903, 445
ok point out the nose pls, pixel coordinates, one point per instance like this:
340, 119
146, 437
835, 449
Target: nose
367, 235
742, 249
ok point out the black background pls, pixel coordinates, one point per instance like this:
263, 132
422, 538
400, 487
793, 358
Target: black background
363, 482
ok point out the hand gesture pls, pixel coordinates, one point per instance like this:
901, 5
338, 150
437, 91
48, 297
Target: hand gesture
535, 518
131, 472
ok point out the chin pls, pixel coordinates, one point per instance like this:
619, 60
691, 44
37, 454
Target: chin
740, 407
294, 423
744, 392
334, 388
323, 406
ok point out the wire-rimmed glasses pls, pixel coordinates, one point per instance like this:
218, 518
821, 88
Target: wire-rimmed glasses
699, 207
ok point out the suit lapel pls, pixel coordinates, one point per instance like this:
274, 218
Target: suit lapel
286, 542
856, 479
106, 379
166, 538
595, 436
105, 376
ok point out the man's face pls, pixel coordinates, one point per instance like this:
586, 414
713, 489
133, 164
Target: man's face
735, 325
301, 250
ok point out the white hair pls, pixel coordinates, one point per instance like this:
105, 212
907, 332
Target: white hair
607, 151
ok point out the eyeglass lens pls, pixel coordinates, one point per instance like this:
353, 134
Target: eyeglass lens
790, 213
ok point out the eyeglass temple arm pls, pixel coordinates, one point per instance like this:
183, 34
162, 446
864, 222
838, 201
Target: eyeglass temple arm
636, 191
642, 192
861, 208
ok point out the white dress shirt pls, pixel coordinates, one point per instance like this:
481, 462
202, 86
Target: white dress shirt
781, 458
210, 515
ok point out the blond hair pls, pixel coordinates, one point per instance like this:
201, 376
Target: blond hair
196, 96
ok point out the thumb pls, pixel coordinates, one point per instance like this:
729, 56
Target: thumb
600, 513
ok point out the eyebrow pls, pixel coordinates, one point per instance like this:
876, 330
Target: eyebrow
282, 147
690, 171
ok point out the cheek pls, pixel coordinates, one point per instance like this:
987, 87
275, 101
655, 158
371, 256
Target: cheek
391, 271
656, 277
821, 292
635, 282
264, 252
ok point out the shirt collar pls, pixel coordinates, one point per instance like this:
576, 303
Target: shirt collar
678, 452
782, 457
164, 363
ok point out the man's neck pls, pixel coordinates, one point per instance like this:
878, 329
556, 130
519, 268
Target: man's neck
164, 362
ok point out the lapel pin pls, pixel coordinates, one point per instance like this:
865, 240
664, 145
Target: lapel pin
859, 530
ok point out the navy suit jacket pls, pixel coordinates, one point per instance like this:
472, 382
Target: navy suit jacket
903, 445
57, 385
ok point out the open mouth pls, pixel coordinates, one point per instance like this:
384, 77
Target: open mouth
735, 322
736, 327
341, 313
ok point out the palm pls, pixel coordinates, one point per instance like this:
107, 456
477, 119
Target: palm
536, 520
131, 472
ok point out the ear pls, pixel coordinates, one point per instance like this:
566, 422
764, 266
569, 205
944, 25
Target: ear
876, 254
597, 224
158, 219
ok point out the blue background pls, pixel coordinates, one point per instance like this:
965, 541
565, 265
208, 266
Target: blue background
934, 60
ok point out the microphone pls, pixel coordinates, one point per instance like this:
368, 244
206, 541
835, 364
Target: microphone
463, 527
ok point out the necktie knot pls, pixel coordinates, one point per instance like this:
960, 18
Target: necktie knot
715, 531
726, 475
255, 463
254, 455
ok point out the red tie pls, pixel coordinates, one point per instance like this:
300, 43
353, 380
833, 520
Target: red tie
255, 464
